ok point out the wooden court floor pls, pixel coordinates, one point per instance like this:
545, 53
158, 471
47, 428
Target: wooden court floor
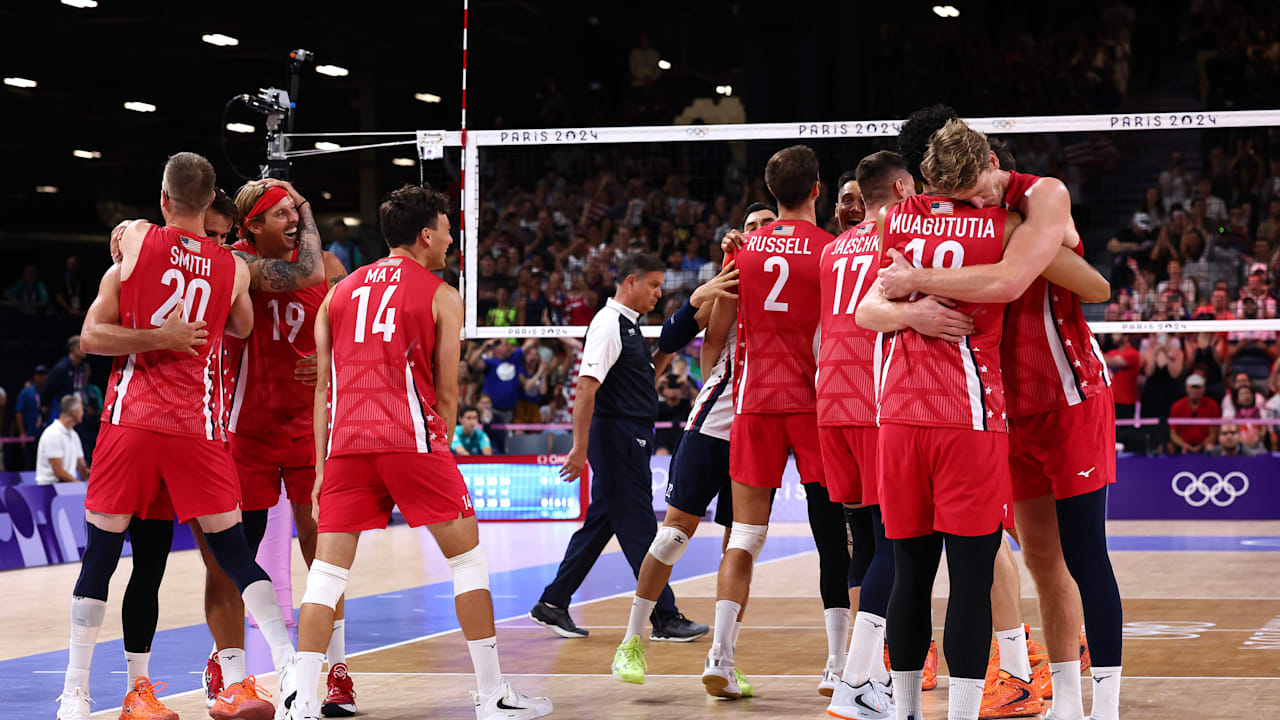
1202, 638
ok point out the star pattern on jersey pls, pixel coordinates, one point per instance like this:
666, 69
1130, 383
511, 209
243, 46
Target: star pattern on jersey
1067, 343
1076, 363
983, 368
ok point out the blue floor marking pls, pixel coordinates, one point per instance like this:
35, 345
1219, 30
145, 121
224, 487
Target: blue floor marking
372, 622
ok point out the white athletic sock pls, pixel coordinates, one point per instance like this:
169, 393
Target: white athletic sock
260, 599
337, 654
907, 693
137, 663
86, 620
306, 676
726, 616
964, 698
866, 649
1067, 704
1013, 653
232, 663
640, 611
1106, 693
837, 620
737, 630
484, 658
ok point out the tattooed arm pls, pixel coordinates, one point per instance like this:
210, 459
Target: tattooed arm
274, 275
334, 270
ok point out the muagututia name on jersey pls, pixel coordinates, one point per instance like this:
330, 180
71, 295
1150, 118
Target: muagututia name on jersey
190, 263
779, 245
855, 245
949, 226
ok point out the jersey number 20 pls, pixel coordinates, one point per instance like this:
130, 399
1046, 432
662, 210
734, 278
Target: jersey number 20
187, 293
384, 320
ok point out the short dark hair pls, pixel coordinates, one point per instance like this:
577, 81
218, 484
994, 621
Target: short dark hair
790, 175
406, 211
638, 264
875, 174
466, 409
188, 181
756, 207
845, 177
1003, 153
224, 205
913, 138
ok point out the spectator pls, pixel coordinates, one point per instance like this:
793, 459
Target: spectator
502, 372
1251, 350
468, 438
1257, 289
490, 417
1163, 365
28, 293
674, 408
1229, 444
1218, 307
1152, 205
69, 375
1175, 183
503, 313
1194, 438
1125, 364
1214, 208
30, 415
60, 449
1245, 406
1184, 285
92, 423
1237, 380
533, 389
344, 248
75, 294
1269, 229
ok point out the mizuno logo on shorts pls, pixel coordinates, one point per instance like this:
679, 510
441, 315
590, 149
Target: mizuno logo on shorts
1086, 473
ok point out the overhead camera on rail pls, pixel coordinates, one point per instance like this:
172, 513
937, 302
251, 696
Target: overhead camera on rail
278, 108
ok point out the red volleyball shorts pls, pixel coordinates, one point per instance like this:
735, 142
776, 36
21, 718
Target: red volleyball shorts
359, 491
849, 463
262, 463
758, 446
1068, 452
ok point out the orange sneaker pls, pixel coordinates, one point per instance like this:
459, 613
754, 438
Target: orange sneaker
242, 701
1042, 681
930, 668
1085, 663
142, 704
1010, 697
930, 680
1036, 653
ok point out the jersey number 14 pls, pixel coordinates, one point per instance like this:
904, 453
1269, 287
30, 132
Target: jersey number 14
384, 320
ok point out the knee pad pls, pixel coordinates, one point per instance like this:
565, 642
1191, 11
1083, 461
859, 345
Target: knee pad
230, 549
325, 584
747, 537
470, 571
669, 545
101, 556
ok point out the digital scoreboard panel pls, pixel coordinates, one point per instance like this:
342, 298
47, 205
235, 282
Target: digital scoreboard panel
523, 487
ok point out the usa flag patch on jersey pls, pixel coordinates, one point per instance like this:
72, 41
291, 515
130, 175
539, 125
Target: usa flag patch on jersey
784, 230
942, 207
191, 244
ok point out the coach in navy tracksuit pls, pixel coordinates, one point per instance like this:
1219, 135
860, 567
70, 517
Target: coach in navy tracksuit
613, 417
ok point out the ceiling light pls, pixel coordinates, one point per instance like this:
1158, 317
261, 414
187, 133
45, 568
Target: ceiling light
82, 4
87, 154
350, 221
220, 40
403, 162
332, 70
426, 97
240, 128
725, 90
326, 195
946, 11
47, 189
19, 82
139, 106
664, 65
327, 146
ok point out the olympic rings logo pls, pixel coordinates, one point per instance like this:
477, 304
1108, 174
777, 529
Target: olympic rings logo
1004, 123
1210, 487
696, 131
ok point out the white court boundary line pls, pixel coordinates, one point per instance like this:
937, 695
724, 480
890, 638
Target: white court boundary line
430, 636
784, 677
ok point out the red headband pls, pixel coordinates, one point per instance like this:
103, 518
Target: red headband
272, 196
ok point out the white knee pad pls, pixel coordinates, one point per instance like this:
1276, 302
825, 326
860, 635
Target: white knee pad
669, 545
325, 584
748, 537
470, 571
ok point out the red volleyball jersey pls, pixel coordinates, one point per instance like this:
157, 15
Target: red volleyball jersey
164, 391
1051, 359
847, 360
382, 386
779, 299
930, 381
268, 401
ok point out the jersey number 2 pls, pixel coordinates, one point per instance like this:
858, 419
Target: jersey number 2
384, 320
778, 263
184, 292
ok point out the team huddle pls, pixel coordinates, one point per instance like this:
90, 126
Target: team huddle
930, 370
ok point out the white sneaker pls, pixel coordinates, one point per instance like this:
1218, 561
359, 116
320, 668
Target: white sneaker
299, 711
830, 676
864, 702
74, 705
718, 677
886, 691
508, 703
288, 691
